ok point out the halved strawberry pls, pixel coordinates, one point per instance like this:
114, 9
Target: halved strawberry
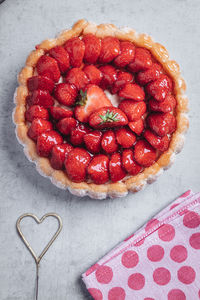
59, 113
40, 97
40, 83
36, 111
160, 143
93, 73
76, 49
37, 127
144, 153
93, 141
76, 164
92, 48
78, 78
137, 126
160, 87
110, 48
66, 125
108, 142
149, 75
126, 55
65, 93
142, 60
125, 137
98, 169
77, 134
61, 56
129, 163
107, 117
122, 79
162, 123
92, 99
167, 105
132, 91
115, 168
133, 109
59, 154
46, 141
48, 66
109, 76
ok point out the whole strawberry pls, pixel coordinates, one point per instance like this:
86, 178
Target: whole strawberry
108, 142
76, 49
93, 141
162, 123
92, 48
98, 169
134, 110
46, 141
48, 66
144, 153
59, 154
116, 170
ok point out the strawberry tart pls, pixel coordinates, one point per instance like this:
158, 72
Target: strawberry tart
100, 110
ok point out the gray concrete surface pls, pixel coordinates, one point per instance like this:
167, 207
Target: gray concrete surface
91, 227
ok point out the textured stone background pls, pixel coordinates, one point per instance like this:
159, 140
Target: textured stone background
91, 227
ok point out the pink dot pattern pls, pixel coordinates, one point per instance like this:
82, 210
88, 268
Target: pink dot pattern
159, 261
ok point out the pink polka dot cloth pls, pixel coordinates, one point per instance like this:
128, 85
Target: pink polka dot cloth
161, 261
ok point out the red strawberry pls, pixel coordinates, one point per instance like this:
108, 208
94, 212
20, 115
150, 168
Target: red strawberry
132, 91
92, 99
78, 78
61, 56
122, 79
40, 83
109, 76
58, 113
157, 142
115, 168
77, 134
125, 137
159, 88
37, 127
46, 141
47, 66
76, 164
92, 48
167, 105
133, 109
126, 55
129, 163
149, 75
93, 141
59, 154
162, 123
65, 93
98, 169
93, 73
36, 111
108, 142
107, 117
110, 48
142, 60
40, 97
144, 153
137, 126
76, 49
66, 125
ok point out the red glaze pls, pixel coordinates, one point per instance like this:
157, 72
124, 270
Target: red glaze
110, 48
109, 76
122, 79
98, 169
78, 78
77, 134
137, 126
125, 137
142, 60
126, 55
65, 93
93, 141
115, 168
144, 153
76, 164
167, 105
37, 127
46, 141
160, 87
59, 113
40, 83
162, 123
92, 48
132, 91
76, 49
108, 142
40, 97
93, 73
133, 109
48, 66
62, 58
36, 111
157, 142
59, 154
66, 125
129, 163
149, 75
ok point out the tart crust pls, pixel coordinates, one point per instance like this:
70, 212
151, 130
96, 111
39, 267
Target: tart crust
129, 183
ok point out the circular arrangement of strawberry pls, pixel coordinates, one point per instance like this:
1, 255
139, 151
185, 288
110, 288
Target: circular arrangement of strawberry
100, 109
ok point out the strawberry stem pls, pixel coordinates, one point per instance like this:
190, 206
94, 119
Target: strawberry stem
108, 117
82, 98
